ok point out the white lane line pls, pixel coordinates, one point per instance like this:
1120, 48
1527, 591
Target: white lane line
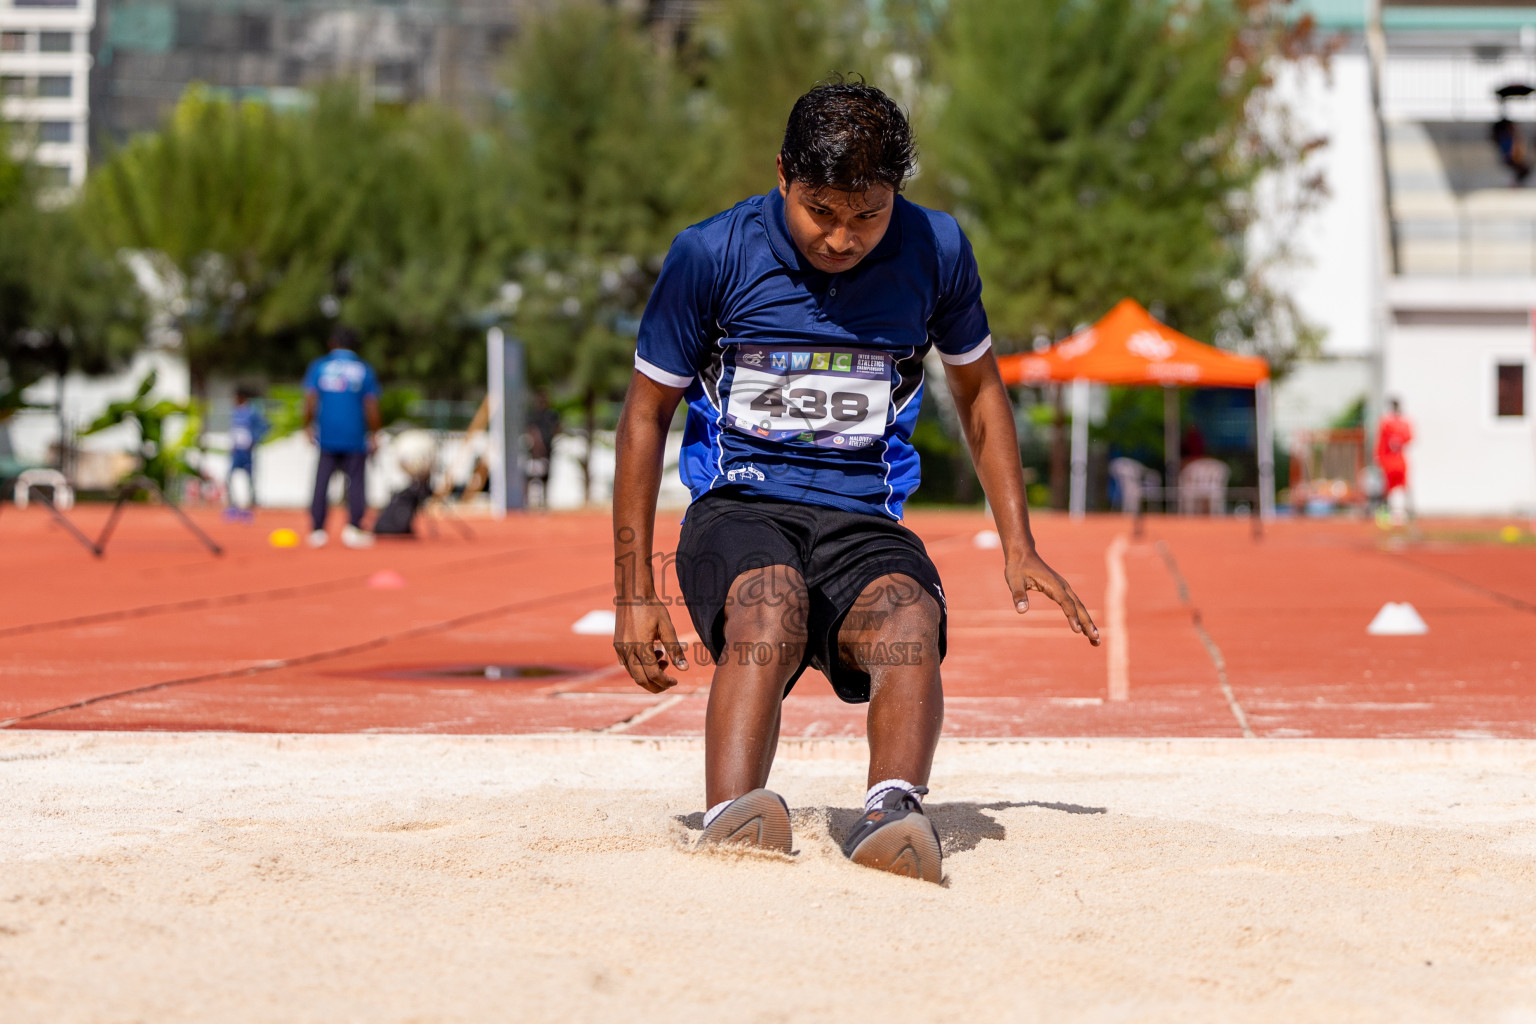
624, 725
1117, 643
646, 715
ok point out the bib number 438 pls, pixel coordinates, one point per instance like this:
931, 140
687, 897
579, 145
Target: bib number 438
811, 404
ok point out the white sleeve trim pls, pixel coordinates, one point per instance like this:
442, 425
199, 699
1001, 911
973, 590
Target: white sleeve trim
969, 356
661, 376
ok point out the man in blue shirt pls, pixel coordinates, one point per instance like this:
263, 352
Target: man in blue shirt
341, 412
794, 325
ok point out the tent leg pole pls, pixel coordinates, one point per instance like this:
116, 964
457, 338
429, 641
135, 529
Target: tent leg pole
1171, 447
1079, 502
1265, 425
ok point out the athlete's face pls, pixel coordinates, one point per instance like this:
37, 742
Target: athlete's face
832, 229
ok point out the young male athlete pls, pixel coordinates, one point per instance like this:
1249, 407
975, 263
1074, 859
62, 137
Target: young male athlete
795, 325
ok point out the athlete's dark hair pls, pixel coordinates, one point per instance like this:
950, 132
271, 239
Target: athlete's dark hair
849, 136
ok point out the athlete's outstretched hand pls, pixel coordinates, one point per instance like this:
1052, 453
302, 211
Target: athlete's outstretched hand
1029, 572
644, 639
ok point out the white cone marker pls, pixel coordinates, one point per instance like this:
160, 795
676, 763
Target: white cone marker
1396, 619
595, 623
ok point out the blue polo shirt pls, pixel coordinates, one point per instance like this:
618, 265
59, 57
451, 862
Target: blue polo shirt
247, 427
804, 386
341, 380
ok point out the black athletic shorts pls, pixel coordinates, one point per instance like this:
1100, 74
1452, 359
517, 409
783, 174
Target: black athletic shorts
837, 553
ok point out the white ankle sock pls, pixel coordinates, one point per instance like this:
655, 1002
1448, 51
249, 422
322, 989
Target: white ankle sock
715, 811
878, 790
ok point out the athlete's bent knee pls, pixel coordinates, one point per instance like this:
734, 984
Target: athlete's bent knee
894, 608
767, 606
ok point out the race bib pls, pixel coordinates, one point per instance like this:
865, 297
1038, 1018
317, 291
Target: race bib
829, 398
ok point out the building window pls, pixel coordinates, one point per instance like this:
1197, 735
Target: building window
1511, 385
254, 33
13, 42
55, 87
53, 176
55, 131
55, 42
13, 85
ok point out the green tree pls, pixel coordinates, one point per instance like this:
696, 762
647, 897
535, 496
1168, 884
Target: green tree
63, 305
599, 135
1109, 148
755, 58
433, 251
267, 224
231, 205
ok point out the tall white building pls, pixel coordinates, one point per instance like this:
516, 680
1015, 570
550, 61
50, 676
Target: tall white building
1423, 262
45, 65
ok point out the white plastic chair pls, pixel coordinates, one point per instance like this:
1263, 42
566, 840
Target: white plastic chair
1136, 482
1203, 480
63, 494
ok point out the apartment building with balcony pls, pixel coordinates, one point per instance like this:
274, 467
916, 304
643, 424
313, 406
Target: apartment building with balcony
45, 66
1422, 264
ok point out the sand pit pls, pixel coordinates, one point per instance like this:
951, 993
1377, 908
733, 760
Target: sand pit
411, 878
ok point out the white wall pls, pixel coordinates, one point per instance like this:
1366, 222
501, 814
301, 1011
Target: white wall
1334, 279
285, 470
1464, 459
1316, 392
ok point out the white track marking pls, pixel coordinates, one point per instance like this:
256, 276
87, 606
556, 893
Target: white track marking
646, 715
687, 640
1117, 651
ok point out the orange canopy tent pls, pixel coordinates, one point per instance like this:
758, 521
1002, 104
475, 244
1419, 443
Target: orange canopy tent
1129, 347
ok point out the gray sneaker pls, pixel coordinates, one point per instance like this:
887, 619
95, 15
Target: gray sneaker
898, 837
759, 819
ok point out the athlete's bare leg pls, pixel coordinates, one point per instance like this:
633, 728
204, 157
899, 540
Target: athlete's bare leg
892, 632
764, 621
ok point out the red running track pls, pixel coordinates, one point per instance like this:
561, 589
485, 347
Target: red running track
159, 635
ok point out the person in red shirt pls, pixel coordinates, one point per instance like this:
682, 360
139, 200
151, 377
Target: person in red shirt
1393, 435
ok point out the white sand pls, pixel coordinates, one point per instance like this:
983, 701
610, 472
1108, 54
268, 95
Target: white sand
400, 878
